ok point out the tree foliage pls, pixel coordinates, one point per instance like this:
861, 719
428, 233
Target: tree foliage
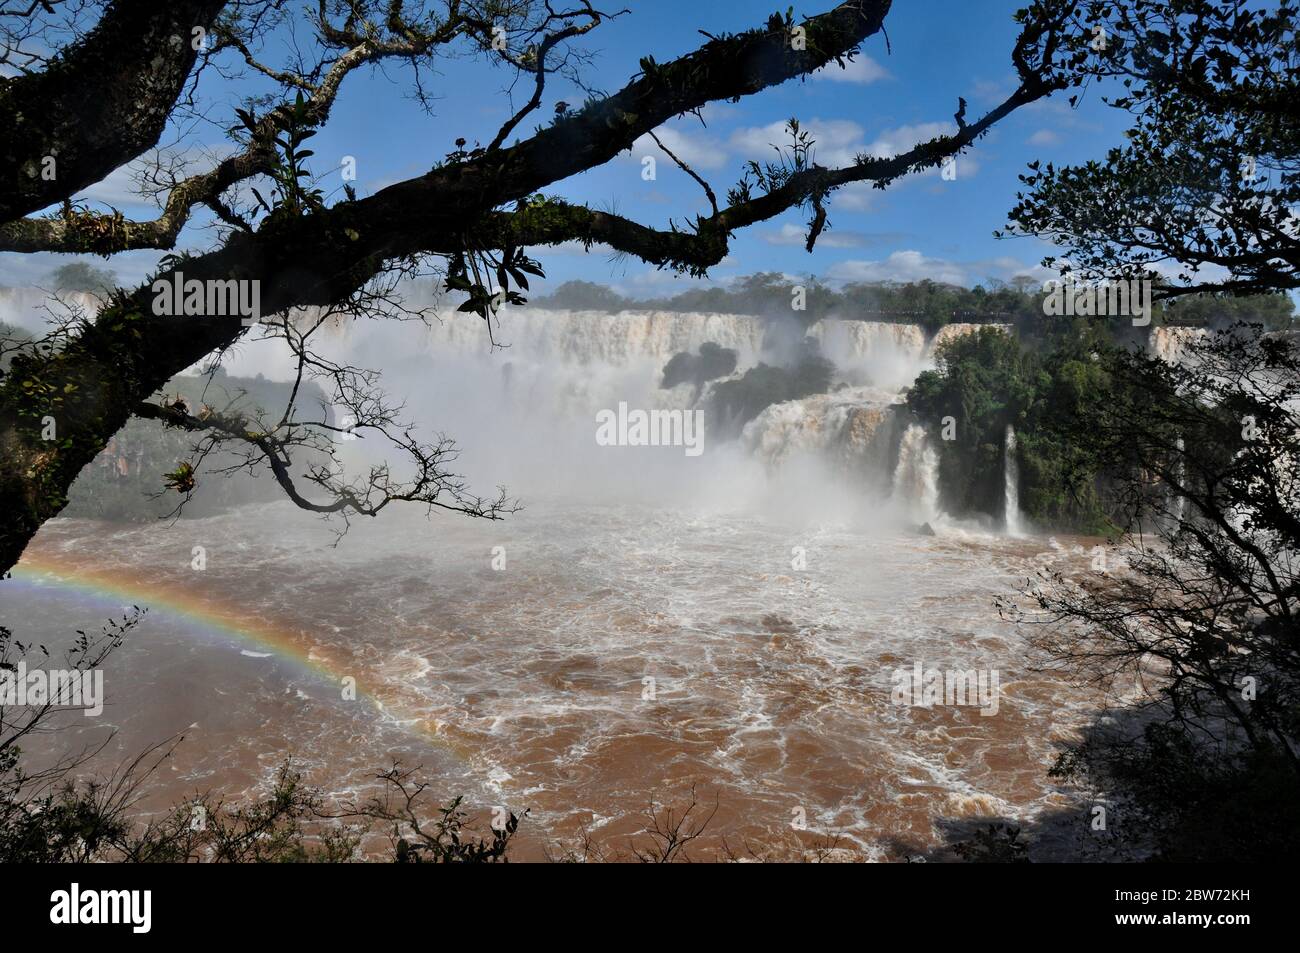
1193, 611
83, 276
990, 380
1204, 190
735, 403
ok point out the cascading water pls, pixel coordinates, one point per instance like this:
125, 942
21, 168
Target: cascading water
950, 332
916, 478
1011, 477
625, 562
540, 378
1173, 344
1179, 501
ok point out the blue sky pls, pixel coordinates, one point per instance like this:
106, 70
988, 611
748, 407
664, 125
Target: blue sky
922, 226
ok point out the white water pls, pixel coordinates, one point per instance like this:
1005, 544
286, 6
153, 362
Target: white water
525, 686
534, 398
916, 478
1170, 343
1180, 501
850, 429
597, 337
958, 329
1011, 477
34, 308
526, 683
521, 401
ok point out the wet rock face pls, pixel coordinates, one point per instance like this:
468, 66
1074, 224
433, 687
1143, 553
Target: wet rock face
851, 429
950, 332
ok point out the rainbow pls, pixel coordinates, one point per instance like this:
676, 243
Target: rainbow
37, 572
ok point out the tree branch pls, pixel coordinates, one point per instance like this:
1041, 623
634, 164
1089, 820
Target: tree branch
134, 65
101, 376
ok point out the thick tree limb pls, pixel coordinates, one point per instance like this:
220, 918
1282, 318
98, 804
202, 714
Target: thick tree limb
79, 231
99, 104
722, 69
128, 353
554, 222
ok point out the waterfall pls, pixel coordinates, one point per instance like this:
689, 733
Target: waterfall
1173, 344
950, 332
1011, 475
598, 338
551, 370
851, 430
916, 477
1180, 501
853, 341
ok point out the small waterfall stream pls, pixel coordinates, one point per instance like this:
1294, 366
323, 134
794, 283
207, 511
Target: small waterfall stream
916, 477
1011, 476
1180, 501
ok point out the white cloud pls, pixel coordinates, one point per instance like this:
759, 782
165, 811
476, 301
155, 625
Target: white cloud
1173, 272
1044, 137
837, 141
791, 234
1006, 267
892, 142
657, 282
862, 70
908, 265
855, 197
121, 188
993, 90
118, 189
1059, 113
840, 141
788, 234
912, 265
697, 150
718, 111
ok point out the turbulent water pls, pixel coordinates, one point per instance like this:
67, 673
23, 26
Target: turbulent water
650, 624
527, 686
